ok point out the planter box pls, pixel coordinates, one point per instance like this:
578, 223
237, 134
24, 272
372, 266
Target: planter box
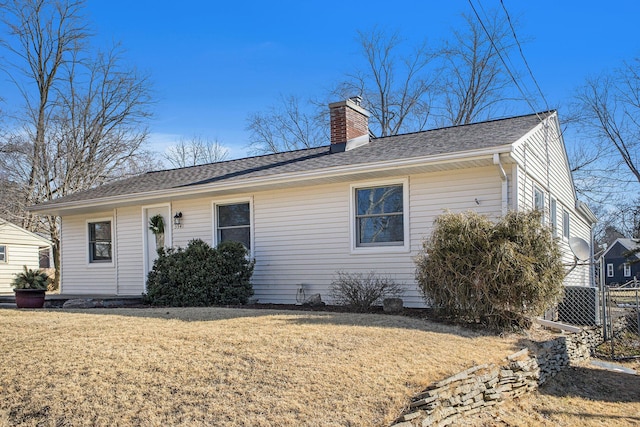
29, 298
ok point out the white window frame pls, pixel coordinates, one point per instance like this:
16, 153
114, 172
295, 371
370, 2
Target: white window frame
3, 259
224, 202
566, 224
543, 196
553, 216
406, 245
610, 270
97, 264
627, 269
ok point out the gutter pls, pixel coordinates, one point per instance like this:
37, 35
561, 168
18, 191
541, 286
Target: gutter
505, 183
347, 170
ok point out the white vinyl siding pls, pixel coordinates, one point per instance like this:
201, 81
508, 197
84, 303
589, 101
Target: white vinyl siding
130, 251
78, 275
20, 248
542, 164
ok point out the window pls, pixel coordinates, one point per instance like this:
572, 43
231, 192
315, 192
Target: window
3, 253
609, 270
234, 223
44, 255
554, 216
100, 242
538, 199
627, 270
538, 202
379, 216
565, 224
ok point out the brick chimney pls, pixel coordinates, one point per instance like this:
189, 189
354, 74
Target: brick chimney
349, 124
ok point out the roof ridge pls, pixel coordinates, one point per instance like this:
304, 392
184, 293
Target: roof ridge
472, 124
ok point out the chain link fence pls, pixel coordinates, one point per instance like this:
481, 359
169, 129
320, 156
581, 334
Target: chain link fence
621, 330
614, 309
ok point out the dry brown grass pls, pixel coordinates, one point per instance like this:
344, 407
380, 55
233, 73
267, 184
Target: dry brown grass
223, 367
580, 396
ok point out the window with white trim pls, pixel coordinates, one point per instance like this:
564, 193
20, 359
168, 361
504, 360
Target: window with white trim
627, 269
233, 223
609, 270
3, 253
538, 202
100, 245
553, 216
566, 231
379, 216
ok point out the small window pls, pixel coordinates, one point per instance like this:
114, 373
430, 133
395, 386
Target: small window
554, 216
100, 242
565, 224
609, 270
379, 217
44, 257
538, 199
3, 253
538, 202
627, 270
234, 223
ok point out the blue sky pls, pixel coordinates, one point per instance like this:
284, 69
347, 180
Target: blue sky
213, 63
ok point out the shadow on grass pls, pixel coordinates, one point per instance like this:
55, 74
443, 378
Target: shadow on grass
595, 385
413, 319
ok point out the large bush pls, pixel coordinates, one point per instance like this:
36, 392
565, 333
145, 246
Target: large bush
200, 275
498, 274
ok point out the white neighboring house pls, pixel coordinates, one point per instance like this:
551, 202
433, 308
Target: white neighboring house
19, 247
356, 205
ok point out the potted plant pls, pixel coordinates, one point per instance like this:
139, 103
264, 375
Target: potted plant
30, 287
156, 225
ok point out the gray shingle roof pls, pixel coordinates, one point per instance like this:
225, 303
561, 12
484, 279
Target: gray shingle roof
413, 145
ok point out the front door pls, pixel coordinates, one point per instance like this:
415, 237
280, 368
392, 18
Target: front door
153, 237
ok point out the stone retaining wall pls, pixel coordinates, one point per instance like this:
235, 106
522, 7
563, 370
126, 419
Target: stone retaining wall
469, 391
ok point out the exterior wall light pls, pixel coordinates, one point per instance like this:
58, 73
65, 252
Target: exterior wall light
177, 220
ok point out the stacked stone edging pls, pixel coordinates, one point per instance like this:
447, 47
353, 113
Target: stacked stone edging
482, 386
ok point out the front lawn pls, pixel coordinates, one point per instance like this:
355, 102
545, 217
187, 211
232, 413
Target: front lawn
224, 367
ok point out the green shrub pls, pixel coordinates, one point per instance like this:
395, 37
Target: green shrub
361, 292
200, 276
31, 279
498, 274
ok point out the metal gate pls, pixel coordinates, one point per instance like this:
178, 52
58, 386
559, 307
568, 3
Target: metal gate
621, 326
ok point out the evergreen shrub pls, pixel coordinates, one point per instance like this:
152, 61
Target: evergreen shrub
200, 275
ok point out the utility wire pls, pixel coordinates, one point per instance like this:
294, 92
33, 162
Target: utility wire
526, 63
504, 62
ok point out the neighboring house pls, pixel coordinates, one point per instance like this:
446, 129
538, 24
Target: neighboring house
19, 247
620, 268
356, 205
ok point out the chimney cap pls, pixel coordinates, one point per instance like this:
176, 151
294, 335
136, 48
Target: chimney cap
353, 103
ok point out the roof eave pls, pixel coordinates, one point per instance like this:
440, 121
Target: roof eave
306, 176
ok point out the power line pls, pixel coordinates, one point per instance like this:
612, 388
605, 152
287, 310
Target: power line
498, 51
526, 63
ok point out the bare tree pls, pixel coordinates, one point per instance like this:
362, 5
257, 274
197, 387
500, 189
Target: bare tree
397, 87
83, 114
610, 115
405, 88
287, 126
195, 151
474, 81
